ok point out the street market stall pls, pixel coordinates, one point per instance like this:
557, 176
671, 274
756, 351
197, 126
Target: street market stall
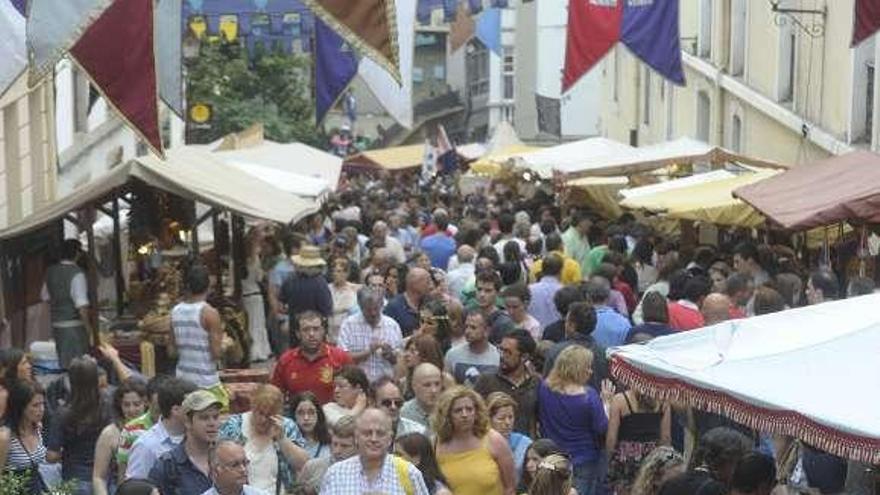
708, 201
161, 196
396, 159
838, 189
807, 372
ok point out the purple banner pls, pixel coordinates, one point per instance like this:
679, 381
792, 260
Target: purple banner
650, 29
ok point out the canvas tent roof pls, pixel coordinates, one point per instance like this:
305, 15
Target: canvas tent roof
574, 157
620, 159
669, 185
186, 172
503, 138
396, 158
310, 171
840, 188
802, 372
709, 201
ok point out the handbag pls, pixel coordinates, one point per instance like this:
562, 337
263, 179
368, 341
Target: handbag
36, 483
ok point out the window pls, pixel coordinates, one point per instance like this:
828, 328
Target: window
646, 86
736, 134
704, 37
787, 63
737, 37
704, 112
509, 72
477, 67
862, 106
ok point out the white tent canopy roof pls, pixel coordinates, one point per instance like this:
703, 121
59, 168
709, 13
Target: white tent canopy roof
318, 170
503, 137
670, 185
809, 372
189, 173
577, 156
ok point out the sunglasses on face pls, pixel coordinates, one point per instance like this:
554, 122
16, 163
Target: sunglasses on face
398, 403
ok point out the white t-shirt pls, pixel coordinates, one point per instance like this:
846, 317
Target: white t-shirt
466, 366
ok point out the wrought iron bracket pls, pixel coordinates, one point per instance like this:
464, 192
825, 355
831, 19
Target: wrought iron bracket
814, 28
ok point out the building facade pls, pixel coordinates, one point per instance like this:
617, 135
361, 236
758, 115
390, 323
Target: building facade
777, 83
540, 53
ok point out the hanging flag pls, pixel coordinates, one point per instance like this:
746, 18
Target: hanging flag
447, 158
394, 97
475, 6
429, 163
335, 67
13, 51
368, 25
450, 7
424, 10
650, 30
53, 26
501, 4
866, 20
549, 115
117, 55
593, 29
20, 6
488, 29
169, 27
462, 30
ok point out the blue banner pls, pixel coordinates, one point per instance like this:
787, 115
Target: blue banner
649, 28
335, 67
488, 29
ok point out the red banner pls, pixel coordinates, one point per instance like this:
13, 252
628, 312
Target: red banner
866, 20
116, 52
593, 29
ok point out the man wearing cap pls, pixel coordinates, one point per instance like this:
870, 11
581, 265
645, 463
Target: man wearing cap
307, 289
185, 469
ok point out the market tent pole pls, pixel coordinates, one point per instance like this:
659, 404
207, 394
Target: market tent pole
194, 231
239, 253
117, 261
92, 277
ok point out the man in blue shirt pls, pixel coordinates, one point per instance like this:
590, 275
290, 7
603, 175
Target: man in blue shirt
439, 246
404, 307
185, 469
611, 327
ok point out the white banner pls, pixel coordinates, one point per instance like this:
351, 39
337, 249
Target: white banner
396, 99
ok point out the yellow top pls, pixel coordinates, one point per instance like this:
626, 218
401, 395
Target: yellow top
571, 270
461, 470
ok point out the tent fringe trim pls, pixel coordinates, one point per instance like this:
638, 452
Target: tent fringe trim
792, 423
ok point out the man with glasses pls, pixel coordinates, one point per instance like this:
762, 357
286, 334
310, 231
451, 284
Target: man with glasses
388, 398
229, 470
374, 469
515, 379
312, 365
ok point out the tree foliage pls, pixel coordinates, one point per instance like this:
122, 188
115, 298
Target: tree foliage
270, 87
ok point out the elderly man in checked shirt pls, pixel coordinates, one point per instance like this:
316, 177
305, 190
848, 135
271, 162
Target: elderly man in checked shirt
373, 470
371, 338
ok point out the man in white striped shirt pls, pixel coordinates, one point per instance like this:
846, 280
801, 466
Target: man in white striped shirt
371, 338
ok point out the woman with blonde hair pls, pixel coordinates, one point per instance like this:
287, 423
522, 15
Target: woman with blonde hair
270, 440
466, 444
553, 477
657, 467
573, 415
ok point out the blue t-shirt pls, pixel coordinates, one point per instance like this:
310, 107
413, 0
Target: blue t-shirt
577, 423
439, 247
611, 327
406, 317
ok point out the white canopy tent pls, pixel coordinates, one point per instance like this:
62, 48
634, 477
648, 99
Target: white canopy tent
574, 157
189, 173
810, 373
294, 167
682, 151
671, 185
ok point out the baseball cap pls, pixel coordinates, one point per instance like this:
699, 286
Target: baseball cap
199, 400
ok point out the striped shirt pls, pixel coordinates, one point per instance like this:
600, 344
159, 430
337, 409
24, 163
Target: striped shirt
19, 459
194, 362
356, 335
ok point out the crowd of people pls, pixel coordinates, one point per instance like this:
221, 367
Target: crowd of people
424, 342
